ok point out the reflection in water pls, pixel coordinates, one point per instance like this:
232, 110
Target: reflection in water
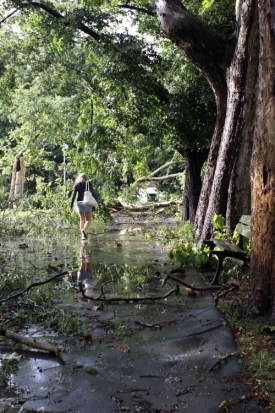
85, 278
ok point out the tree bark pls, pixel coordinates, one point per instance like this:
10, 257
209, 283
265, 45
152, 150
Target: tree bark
263, 171
30, 342
17, 179
249, 117
226, 68
194, 161
228, 172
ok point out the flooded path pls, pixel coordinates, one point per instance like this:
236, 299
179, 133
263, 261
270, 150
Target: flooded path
153, 356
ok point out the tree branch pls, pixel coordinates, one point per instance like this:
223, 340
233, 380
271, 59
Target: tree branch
26, 147
178, 280
33, 285
147, 207
205, 49
28, 342
102, 297
57, 15
162, 167
8, 16
139, 9
156, 178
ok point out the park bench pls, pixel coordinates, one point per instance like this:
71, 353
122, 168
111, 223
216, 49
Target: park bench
227, 249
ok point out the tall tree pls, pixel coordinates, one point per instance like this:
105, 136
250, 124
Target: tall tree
241, 74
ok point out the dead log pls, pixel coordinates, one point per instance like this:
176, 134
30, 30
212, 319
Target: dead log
29, 342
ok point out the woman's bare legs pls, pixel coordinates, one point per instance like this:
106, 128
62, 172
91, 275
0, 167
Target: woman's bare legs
84, 222
81, 220
88, 217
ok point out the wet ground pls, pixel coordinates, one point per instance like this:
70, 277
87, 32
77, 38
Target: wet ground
167, 355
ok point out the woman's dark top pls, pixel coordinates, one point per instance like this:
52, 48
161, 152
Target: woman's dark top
79, 189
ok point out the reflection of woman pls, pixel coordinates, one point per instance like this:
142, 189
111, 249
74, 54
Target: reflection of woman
85, 275
84, 210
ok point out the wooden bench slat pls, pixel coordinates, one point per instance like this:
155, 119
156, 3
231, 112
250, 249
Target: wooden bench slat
244, 230
245, 219
225, 245
227, 249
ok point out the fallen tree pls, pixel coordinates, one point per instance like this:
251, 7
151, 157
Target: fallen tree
148, 206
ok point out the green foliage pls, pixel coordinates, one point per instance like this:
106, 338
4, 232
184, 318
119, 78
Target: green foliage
118, 122
220, 232
9, 358
38, 306
187, 251
119, 330
220, 229
190, 252
268, 329
207, 4
246, 242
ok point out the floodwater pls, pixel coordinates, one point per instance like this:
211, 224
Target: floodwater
137, 356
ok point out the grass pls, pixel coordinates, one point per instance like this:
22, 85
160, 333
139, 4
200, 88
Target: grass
257, 350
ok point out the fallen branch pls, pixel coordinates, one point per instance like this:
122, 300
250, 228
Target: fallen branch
132, 390
223, 293
29, 342
187, 389
33, 285
154, 326
220, 359
206, 331
102, 297
156, 178
147, 207
178, 280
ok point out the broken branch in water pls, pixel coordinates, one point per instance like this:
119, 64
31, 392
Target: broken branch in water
102, 297
33, 285
29, 342
172, 277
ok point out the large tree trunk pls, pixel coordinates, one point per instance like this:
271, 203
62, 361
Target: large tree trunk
263, 172
209, 53
225, 66
17, 179
232, 168
194, 161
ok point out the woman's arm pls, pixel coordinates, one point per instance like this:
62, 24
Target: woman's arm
73, 197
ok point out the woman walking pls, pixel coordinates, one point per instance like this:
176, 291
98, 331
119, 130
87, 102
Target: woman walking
85, 277
84, 210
